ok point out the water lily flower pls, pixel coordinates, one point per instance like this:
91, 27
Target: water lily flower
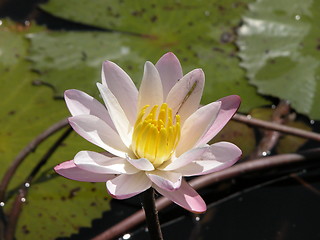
152, 137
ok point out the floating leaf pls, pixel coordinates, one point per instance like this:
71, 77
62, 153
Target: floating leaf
279, 48
74, 59
200, 33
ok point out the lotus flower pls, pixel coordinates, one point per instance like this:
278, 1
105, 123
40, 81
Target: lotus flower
152, 137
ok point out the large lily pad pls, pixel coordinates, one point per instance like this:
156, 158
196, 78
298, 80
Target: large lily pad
26, 111
201, 34
279, 47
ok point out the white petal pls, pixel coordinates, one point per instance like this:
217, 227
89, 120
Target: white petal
150, 92
168, 181
142, 164
185, 158
184, 98
126, 186
80, 103
185, 197
69, 170
229, 105
122, 87
99, 133
117, 114
170, 72
196, 126
220, 156
99, 163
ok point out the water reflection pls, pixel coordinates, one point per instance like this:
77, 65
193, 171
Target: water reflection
126, 236
266, 153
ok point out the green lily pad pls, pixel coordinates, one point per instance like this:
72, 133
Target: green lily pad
73, 59
279, 48
25, 112
201, 34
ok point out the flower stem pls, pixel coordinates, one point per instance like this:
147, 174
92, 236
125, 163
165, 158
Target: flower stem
150, 210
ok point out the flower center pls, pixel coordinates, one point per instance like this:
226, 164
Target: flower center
155, 136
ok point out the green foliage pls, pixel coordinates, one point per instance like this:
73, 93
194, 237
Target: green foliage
200, 33
279, 47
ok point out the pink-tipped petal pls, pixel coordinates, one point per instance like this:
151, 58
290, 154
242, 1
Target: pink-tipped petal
229, 106
184, 159
184, 98
141, 163
69, 170
150, 92
80, 103
117, 114
99, 133
122, 87
185, 197
196, 126
126, 186
99, 163
219, 156
170, 71
168, 181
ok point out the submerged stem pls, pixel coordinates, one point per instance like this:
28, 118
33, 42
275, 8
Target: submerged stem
151, 212
276, 127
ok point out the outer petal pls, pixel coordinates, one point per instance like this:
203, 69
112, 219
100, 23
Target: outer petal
99, 133
117, 114
184, 98
219, 156
185, 197
168, 181
126, 186
185, 158
69, 170
150, 92
99, 163
170, 71
142, 164
122, 87
229, 105
80, 103
196, 125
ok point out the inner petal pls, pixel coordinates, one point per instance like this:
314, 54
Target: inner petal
156, 134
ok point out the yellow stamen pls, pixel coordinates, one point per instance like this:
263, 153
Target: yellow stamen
156, 136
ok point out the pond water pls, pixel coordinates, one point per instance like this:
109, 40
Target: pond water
274, 206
